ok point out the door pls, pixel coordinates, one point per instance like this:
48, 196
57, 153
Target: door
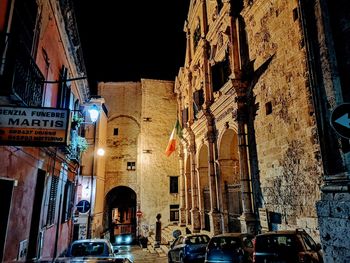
6, 189
34, 228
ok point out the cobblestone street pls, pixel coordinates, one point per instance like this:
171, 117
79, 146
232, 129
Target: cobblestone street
142, 255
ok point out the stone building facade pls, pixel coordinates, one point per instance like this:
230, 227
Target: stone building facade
141, 116
255, 95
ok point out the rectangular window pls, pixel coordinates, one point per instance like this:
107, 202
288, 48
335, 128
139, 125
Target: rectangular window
67, 201
131, 166
184, 119
115, 131
198, 101
174, 185
174, 212
268, 108
221, 72
52, 201
64, 91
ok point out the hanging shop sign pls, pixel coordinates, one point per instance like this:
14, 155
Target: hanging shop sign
25, 126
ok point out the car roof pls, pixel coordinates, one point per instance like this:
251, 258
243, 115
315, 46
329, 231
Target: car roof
91, 240
232, 235
194, 235
282, 232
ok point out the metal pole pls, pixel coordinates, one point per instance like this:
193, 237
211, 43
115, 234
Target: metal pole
89, 229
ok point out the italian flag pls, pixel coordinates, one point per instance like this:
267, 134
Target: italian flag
172, 141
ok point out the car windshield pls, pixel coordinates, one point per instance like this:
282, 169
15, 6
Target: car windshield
276, 243
225, 243
88, 249
197, 240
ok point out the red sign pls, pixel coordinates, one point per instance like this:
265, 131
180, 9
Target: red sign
138, 213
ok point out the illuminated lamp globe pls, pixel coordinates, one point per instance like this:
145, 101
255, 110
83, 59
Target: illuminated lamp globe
100, 152
93, 111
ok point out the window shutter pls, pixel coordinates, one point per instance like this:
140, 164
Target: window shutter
52, 201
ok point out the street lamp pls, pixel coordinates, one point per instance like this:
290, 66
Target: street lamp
94, 113
100, 152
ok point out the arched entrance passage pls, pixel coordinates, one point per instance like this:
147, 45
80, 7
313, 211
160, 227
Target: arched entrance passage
121, 211
230, 180
205, 206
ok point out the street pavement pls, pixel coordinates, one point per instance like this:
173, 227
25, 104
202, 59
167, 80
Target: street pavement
142, 255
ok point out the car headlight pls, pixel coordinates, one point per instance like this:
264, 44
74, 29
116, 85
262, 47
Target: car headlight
119, 239
128, 239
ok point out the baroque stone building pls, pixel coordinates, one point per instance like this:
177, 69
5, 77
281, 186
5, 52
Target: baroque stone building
254, 96
139, 178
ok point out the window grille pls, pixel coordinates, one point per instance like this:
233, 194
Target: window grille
131, 166
174, 212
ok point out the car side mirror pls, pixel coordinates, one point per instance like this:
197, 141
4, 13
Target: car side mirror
318, 247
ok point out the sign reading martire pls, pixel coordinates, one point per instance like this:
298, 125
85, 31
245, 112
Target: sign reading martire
340, 120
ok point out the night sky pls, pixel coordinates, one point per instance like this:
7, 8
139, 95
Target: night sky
132, 39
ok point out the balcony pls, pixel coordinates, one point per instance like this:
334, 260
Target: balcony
22, 79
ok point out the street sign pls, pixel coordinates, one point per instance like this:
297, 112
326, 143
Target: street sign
340, 120
83, 206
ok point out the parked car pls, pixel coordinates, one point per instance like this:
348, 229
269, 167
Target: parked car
124, 239
188, 248
230, 247
286, 246
92, 250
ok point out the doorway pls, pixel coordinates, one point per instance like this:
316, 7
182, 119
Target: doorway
121, 211
6, 189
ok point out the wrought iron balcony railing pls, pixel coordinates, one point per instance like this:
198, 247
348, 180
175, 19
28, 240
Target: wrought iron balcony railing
28, 81
23, 78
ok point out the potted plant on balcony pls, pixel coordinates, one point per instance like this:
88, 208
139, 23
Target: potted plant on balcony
76, 122
81, 144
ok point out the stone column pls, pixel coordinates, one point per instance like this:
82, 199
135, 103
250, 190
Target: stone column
214, 214
182, 189
248, 220
188, 197
195, 216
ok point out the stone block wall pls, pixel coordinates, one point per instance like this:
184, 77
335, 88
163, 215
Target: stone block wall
286, 137
158, 119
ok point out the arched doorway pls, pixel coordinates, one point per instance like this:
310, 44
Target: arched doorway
121, 211
230, 180
204, 187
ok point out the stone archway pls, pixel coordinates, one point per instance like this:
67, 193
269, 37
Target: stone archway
120, 207
204, 193
230, 186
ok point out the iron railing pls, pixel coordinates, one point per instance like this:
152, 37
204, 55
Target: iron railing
28, 81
